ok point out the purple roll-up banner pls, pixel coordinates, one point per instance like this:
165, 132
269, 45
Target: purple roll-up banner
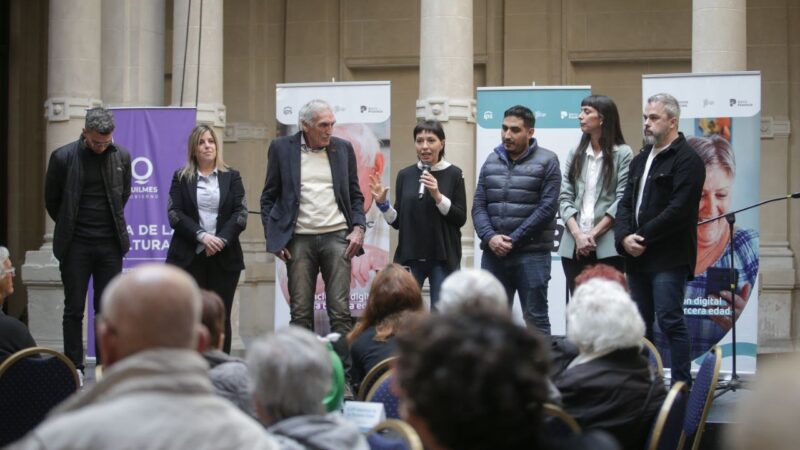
156, 139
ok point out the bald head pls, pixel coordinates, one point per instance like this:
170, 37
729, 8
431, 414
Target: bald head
152, 306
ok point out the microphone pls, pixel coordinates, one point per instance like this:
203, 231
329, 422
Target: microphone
795, 195
421, 193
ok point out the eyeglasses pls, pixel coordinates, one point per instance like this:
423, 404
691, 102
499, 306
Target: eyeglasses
11, 270
95, 144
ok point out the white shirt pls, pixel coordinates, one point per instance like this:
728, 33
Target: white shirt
207, 203
643, 181
594, 168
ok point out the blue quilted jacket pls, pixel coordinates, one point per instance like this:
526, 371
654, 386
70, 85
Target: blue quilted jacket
518, 198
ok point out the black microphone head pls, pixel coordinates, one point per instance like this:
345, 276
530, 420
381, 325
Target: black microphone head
426, 167
796, 195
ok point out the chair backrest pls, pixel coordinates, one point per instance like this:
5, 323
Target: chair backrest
372, 376
656, 363
394, 434
700, 397
667, 428
32, 382
558, 423
381, 392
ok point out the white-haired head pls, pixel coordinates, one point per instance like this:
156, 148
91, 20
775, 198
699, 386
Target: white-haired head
290, 371
309, 112
601, 317
4, 256
469, 289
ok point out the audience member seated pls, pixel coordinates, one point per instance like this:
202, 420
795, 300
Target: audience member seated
477, 291
14, 335
472, 381
228, 374
602, 271
393, 296
608, 384
291, 374
469, 289
562, 350
155, 392
767, 417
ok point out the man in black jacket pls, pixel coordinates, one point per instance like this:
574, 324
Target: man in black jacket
87, 185
656, 226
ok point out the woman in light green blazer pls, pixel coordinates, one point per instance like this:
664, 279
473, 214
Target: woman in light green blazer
591, 187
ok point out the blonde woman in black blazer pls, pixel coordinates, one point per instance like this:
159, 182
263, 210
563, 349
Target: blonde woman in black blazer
207, 210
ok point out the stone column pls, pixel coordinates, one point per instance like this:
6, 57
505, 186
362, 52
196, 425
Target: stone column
197, 75
197, 80
133, 52
254, 62
719, 35
446, 89
73, 86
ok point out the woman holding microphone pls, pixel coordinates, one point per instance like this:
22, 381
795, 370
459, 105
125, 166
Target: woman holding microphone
207, 210
591, 186
429, 210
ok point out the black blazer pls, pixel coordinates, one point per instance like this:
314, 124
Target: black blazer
185, 219
669, 210
280, 200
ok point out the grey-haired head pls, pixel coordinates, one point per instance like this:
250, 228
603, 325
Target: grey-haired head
291, 372
100, 120
309, 112
4, 256
671, 106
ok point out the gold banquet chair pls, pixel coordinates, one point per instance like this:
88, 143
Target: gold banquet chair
32, 382
700, 398
372, 377
653, 356
668, 426
558, 422
394, 434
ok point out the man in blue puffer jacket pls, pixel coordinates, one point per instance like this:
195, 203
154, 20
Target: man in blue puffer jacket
514, 213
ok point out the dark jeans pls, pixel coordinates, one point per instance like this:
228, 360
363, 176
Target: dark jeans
659, 296
573, 267
434, 271
312, 254
99, 259
213, 276
527, 273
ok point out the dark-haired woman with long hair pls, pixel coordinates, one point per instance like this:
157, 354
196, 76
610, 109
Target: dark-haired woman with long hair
591, 186
393, 295
429, 223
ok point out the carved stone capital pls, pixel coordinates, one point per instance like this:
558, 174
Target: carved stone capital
772, 127
445, 109
62, 109
213, 113
244, 131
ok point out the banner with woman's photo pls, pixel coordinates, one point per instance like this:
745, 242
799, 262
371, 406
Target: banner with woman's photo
721, 119
362, 111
